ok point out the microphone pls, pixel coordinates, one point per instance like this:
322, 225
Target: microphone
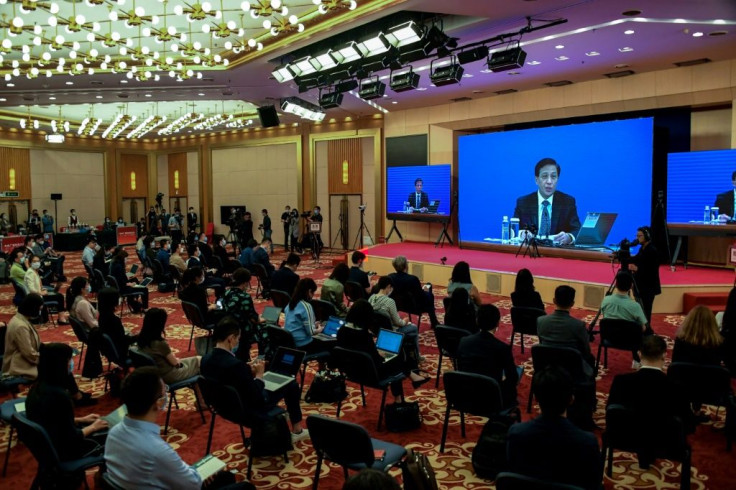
443, 260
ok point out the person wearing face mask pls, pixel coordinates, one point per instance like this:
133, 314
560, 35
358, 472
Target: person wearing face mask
174, 227
79, 306
34, 222
49, 405
22, 349
47, 222
4, 224
152, 341
205, 250
316, 238
128, 285
220, 251
152, 217
194, 290
108, 225
32, 281
88, 254
164, 218
177, 260
73, 220
44, 249
120, 222
164, 254
266, 227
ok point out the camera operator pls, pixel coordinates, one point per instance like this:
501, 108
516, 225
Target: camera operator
645, 266
316, 218
245, 228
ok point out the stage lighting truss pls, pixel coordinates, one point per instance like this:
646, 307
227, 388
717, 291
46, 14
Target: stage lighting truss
302, 108
371, 88
445, 71
404, 80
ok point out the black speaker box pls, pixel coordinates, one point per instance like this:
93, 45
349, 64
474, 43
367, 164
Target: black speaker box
268, 116
56, 197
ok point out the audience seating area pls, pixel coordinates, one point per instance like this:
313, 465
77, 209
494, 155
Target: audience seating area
710, 463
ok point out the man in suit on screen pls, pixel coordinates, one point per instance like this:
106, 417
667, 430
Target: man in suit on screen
725, 202
552, 212
418, 200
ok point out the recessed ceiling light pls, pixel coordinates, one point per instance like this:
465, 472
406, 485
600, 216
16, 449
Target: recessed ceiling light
468, 75
629, 32
592, 53
70, 82
697, 34
486, 70
123, 81
513, 73
394, 102
3, 99
533, 62
98, 96
52, 98
560, 46
200, 94
421, 89
626, 49
148, 95
10, 85
679, 21
562, 58
478, 91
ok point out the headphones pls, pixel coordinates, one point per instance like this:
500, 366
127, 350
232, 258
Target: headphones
647, 232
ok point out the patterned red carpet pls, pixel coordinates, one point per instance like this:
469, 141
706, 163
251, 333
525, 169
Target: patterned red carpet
712, 466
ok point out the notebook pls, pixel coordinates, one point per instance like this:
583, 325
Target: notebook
388, 343
208, 466
331, 327
283, 368
433, 206
271, 315
116, 416
595, 228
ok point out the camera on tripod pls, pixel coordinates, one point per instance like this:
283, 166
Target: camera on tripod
362, 207
623, 254
306, 214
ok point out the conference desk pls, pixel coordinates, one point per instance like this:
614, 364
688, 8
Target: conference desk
70, 242
685, 230
421, 218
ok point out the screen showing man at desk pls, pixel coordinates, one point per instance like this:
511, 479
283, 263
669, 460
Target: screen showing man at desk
418, 189
698, 179
578, 169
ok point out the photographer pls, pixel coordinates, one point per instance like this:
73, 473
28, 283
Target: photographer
316, 237
645, 266
294, 230
265, 226
245, 228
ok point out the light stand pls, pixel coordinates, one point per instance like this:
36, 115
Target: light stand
340, 233
56, 214
362, 227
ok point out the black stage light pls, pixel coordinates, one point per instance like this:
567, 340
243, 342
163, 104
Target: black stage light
371, 88
330, 100
346, 86
446, 74
470, 55
510, 59
402, 82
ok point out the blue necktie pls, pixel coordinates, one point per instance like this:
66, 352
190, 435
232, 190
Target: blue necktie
544, 227
417, 201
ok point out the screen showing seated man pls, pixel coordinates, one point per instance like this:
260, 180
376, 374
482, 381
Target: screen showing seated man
698, 179
418, 189
551, 178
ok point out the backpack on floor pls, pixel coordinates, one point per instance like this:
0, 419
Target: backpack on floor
489, 455
417, 473
270, 437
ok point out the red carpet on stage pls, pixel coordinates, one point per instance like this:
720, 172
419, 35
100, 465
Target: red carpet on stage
712, 466
558, 268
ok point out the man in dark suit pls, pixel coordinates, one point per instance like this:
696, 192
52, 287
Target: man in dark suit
418, 200
408, 286
649, 391
554, 213
550, 447
285, 278
191, 220
484, 354
357, 274
725, 202
222, 365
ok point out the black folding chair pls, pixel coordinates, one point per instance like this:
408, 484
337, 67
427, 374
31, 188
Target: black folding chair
448, 339
354, 291
196, 319
617, 334
524, 322
515, 481
280, 298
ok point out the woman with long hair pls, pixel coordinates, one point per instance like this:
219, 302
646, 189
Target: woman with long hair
460, 313
110, 323
698, 339
79, 306
382, 303
460, 278
117, 270
152, 341
300, 320
333, 289
524, 294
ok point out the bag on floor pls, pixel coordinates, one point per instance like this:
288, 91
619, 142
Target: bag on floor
327, 387
489, 455
402, 417
417, 473
270, 437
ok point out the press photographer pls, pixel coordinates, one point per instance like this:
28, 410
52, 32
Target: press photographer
645, 266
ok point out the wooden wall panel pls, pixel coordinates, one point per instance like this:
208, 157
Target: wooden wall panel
138, 163
345, 166
18, 159
178, 163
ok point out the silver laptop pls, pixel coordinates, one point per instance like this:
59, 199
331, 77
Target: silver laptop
388, 343
283, 368
271, 315
595, 228
146, 281
133, 270
116, 416
331, 328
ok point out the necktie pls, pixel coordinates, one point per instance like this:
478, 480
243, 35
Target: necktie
544, 227
417, 201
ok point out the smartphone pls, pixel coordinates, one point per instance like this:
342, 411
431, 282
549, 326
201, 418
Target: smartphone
219, 304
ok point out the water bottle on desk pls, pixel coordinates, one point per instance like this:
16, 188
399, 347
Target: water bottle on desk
706, 215
714, 212
505, 230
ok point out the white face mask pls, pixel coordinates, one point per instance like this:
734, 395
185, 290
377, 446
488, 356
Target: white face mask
89, 288
223, 243
36, 265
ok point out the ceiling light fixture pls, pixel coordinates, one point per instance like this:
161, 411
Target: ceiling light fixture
330, 100
371, 88
302, 108
404, 81
445, 72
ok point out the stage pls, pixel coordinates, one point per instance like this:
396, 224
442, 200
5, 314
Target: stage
495, 273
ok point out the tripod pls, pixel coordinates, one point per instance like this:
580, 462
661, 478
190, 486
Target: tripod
363, 226
341, 234
659, 212
530, 240
611, 287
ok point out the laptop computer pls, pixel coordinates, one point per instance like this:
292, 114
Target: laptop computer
271, 315
133, 270
595, 229
283, 368
331, 327
389, 343
116, 416
433, 206
146, 281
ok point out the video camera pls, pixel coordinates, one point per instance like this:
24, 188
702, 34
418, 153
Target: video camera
362, 207
623, 254
306, 214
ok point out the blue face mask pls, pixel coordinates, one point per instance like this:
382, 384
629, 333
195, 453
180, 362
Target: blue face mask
71, 366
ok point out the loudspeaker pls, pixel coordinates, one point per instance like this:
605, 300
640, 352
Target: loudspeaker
56, 197
268, 116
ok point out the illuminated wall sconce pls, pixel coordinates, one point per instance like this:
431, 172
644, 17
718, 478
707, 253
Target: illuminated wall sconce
132, 181
176, 181
345, 174
11, 179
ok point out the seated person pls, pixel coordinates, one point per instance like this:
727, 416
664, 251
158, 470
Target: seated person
101, 261
524, 294
43, 248
110, 323
237, 303
80, 308
260, 256
205, 249
127, 286
246, 257
649, 391
461, 279
356, 335
222, 365
357, 274
50, 405
408, 286
164, 254
285, 278
620, 306
151, 341
194, 290
88, 254
135, 454
32, 281
17, 269
216, 283
484, 354
333, 289
461, 312
549, 447
22, 347
383, 303
300, 320
220, 251
176, 259
698, 339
